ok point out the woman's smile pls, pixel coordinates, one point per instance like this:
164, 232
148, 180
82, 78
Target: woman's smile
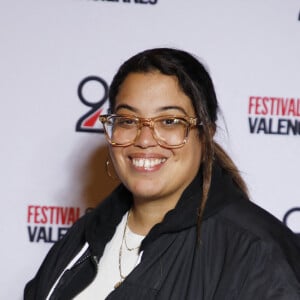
147, 163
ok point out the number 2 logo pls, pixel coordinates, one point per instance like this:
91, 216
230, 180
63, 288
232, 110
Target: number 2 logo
88, 122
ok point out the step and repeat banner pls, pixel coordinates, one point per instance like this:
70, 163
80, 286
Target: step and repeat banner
57, 61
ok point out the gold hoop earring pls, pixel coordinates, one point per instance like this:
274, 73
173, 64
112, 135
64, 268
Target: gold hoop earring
107, 167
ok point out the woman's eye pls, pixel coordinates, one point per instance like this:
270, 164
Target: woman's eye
170, 121
125, 122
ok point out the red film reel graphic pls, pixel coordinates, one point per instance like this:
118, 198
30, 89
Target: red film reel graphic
293, 213
89, 121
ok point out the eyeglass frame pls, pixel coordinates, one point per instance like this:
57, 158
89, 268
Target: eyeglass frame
192, 122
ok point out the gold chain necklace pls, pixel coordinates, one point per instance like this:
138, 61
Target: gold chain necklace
124, 236
122, 277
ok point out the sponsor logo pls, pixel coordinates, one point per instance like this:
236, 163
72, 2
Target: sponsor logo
274, 115
92, 92
153, 2
48, 224
290, 219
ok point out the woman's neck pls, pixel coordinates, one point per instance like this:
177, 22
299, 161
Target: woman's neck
143, 216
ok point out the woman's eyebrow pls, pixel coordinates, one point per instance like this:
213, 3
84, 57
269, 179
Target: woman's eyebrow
126, 106
160, 109
172, 107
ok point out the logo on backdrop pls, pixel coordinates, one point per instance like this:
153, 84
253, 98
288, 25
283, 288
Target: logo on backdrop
290, 216
274, 115
153, 2
48, 224
88, 92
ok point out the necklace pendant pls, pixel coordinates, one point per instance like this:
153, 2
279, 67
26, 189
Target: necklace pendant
118, 284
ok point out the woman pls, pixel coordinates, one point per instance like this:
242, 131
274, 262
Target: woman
180, 226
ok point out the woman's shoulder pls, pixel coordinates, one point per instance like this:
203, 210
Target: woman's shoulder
247, 216
232, 208
256, 245
244, 222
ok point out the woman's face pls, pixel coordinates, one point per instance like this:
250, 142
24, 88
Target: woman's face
148, 170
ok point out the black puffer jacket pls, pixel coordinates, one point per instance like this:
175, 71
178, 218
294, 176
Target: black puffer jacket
244, 252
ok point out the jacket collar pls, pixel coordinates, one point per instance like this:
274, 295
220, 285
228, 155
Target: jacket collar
103, 221
223, 191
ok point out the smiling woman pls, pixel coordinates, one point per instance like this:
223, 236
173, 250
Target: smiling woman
180, 226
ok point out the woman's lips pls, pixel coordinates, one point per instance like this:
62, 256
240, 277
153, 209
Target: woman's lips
147, 163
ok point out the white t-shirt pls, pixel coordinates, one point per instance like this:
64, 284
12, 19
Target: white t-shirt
108, 269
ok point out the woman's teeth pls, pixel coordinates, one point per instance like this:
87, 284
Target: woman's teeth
147, 163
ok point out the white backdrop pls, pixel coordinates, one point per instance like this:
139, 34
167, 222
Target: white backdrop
50, 173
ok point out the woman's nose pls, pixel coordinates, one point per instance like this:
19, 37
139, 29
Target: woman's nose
145, 137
